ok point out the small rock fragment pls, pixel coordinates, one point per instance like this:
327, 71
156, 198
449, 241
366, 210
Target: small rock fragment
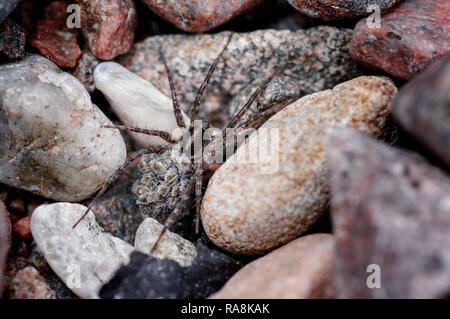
21, 228
53, 144
29, 284
254, 205
6, 7
200, 16
316, 59
422, 108
5, 241
339, 9
391, 217
84, 71
300, 269
54, 39
136, 102
84, 257
410, 37
12, 39
108, 26
171, 246
147, 277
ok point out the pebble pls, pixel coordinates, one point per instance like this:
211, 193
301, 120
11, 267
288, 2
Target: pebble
85, 257
422, 108
54, 39
171, 246
391, 218
84, 71
6, 7
53, 144
5, 241
21, 228
108, 26
251, 208
146, 277
301, 269
338, 9
29, 284
318, 59
410, 37
200, 16
12, 39
136, 102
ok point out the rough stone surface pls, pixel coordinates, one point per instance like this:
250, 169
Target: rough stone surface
57, 285
108, 26
422, 108
301, 269
146, 277
252, 207
339, 9
53, 142
54, 39
12, 39
390, 208
171, 246
199, 16
136, 102
5, 241
86, 250
29, 284
316, 59
412, 35
84, 71
6, 7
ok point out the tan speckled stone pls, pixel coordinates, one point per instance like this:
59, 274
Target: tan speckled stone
247, 212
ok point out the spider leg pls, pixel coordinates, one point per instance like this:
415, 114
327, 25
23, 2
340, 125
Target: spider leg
176, 105
195, 107
198, 195
117, 173
164, 135
177, 212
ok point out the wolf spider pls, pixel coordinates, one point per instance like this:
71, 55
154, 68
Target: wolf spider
193, 176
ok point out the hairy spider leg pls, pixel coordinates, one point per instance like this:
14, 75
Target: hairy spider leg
162, 134
117, 173
195, 107
176, 105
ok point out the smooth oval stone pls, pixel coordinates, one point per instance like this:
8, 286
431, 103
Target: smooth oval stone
136, 102
250, 208
171, 246
84, 258
52, 141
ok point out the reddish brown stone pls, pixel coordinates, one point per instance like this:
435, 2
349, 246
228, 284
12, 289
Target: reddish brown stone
54, 39
17, 205
12, 39
301, 269
22, 227
422, 108
391, 221
338, 9
412, 35
29, 284
5, 225
199, 15
108, 26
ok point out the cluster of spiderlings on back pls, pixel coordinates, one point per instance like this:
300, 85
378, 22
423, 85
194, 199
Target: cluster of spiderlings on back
164, 178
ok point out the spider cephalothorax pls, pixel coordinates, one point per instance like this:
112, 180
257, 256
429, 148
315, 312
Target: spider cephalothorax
169, 176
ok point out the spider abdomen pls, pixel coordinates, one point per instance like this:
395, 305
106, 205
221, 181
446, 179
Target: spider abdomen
164, 178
